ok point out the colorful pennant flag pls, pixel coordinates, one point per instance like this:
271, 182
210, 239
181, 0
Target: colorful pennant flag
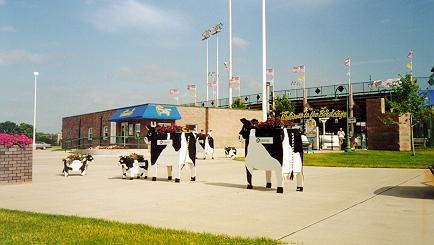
408, 66
410, 54
301, 78
191, 87
347, 62
194, 94
298, 69
234, 80
269, 72
212, 84
174, 91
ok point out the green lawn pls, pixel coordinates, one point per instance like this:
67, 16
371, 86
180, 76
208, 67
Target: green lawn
370, 159
19, 227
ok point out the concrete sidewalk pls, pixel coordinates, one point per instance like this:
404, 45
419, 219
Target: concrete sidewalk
338, 206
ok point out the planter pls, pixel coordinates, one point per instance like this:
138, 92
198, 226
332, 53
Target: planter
15, 164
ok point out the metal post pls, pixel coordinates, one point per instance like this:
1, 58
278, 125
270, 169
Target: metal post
264, 66
347, 136
217, 72
35, 74
207, 75
230, 53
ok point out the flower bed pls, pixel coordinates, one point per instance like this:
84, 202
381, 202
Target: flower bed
15, 159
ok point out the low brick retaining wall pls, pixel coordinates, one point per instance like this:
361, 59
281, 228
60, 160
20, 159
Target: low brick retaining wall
15, 165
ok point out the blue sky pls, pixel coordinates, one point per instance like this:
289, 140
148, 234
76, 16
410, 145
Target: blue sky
99, 54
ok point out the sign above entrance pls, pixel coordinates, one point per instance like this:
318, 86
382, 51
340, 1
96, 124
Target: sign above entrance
146, 111
312, 113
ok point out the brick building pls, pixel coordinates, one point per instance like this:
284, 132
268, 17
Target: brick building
127, 125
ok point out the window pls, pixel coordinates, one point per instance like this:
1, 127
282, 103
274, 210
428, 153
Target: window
137, 129
105, 132
89, 134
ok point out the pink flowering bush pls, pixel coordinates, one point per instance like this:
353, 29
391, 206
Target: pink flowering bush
8, 140
275, 123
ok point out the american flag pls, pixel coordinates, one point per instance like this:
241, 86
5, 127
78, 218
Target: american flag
212, 84
269, 72
191, 87
347, 62
298, 69
174, 91
234, 80
410, 54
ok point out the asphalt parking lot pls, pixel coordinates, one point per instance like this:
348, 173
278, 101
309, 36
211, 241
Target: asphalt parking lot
338, 205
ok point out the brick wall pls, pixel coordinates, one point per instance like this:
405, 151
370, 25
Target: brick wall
385, 137
15, 165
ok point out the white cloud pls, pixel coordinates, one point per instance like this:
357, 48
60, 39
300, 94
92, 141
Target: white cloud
21, 56
130, 14
239, 42
7, 28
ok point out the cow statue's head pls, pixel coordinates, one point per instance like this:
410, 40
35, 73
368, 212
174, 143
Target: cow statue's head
152, 133
88, 158
247, 125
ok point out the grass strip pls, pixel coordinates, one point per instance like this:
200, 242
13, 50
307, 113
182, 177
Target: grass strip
18, 227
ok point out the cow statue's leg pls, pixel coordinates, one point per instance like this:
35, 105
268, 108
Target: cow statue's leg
268, 178
193, 171
249, 178
177, 172
169, 172
300, 180
66, 168
279, 179
83, 168
124, 172
153, 171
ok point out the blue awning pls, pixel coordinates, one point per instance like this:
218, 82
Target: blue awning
148, 111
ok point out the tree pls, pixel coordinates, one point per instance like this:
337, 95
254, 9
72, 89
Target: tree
26, 129
238, 104
9, 127
406, 100
283, 104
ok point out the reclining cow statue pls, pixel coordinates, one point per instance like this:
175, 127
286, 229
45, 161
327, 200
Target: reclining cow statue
132, 168
205, 145
279, 150
76, 165
173, 150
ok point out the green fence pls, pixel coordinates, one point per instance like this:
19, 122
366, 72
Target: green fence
130, 142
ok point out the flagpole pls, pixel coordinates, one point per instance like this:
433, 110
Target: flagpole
411, 68
350, 94
207, 72
230, 53
304, 89
264, 65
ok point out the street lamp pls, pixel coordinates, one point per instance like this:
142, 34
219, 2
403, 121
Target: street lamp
264, 65
35, 74
347, 135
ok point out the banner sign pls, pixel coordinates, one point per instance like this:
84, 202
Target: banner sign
164, 142
312, 113
265, 140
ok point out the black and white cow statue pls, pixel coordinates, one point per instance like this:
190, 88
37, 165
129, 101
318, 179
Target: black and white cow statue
230, 151
133, 168
173, 150
76, 165
205, 145
279, 150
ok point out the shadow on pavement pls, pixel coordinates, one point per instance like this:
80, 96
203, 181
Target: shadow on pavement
230, 185
420, 192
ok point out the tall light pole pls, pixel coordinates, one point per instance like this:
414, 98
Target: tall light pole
205, 36
264, 66
35, 74
214, 31
230, 53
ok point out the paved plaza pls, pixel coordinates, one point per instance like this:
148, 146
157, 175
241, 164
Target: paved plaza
338, 206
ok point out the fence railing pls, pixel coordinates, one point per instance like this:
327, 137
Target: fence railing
328, 91
132, 142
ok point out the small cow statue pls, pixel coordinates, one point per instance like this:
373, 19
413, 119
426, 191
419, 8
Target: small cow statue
173, 150
133, 168
230, 151
76, 165
205, 145
279, 150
